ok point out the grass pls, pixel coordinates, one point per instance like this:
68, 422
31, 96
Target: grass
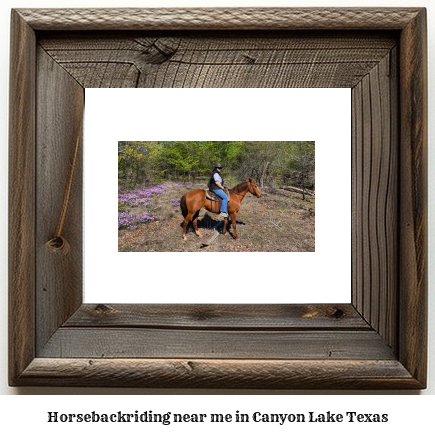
278, 221
148, 204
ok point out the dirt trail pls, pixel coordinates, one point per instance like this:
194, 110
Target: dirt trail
278, 222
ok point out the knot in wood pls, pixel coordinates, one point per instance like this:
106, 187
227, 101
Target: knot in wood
58, 244
338, 313
103, 309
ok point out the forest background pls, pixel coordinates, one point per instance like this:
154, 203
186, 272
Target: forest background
153, 176
271, 164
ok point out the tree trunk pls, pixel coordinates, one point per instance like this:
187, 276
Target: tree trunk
264, 174
299, 190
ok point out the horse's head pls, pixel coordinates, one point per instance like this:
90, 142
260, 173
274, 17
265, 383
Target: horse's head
253, 189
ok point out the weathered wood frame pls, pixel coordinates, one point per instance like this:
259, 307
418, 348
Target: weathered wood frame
377, 341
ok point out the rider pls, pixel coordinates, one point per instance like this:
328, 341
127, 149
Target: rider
217, 185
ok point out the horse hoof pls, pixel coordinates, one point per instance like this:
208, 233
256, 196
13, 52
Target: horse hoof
184, 238
199, 235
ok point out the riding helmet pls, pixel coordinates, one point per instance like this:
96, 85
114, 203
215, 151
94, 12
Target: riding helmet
218, 166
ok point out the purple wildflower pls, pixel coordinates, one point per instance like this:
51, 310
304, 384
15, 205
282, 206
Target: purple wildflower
130, 221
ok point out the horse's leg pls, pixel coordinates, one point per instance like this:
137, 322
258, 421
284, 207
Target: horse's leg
224, 230
195, 226
233, 216
185, 223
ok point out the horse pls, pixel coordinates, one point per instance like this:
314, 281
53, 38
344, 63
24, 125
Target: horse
193, 201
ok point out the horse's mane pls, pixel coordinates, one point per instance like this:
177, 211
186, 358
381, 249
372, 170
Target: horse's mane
239, 188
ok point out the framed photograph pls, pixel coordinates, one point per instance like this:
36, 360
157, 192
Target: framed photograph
375, 341
288, 234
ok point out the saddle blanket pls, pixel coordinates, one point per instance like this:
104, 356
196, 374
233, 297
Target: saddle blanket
216, 201
210, 194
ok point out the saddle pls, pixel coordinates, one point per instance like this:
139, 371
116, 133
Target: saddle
216, 201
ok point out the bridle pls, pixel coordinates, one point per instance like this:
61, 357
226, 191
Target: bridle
238, 194
253, 191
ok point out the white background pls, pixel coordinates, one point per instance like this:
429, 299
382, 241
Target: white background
410, 413
321, 115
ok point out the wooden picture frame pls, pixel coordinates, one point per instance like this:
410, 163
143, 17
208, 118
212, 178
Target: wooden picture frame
376, 342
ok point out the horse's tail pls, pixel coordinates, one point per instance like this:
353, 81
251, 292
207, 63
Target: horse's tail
183, 205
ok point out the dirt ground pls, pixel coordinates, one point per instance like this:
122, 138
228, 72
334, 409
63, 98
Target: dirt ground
279, 221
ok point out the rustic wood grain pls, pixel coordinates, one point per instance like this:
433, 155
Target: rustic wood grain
375, 197
21, 196
236, 60
413, 187
378, 342
220, 18
387, 217
357, 199
127, 342
392, 299
60, 105
228, 374
220, 317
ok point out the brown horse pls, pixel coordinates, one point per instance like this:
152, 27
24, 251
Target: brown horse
193, 201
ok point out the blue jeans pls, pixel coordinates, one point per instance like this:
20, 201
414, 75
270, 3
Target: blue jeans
224, 198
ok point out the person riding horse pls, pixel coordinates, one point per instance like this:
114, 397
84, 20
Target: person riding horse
193, 201
216, 184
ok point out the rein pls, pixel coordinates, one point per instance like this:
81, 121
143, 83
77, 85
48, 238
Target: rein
253, 191
243, 195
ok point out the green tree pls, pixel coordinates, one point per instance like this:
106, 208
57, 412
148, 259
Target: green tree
135, 163
193, 159
302, 166
262, 160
